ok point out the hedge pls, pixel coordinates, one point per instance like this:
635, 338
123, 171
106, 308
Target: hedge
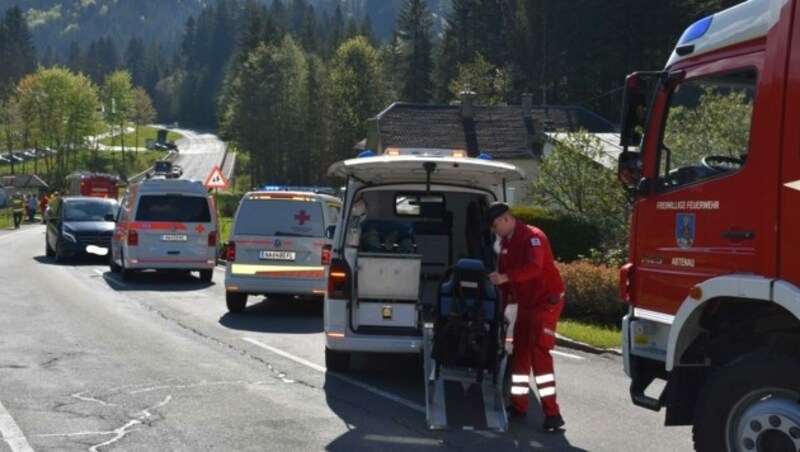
569, 237
592, 294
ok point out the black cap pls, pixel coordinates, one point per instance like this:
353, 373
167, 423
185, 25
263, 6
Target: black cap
496, 209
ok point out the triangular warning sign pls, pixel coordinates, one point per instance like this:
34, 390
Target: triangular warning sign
216, 179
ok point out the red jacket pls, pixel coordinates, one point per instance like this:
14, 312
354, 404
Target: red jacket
528, 262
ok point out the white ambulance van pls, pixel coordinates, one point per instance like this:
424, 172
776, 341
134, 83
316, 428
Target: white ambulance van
280, 244
408, 215
165, 224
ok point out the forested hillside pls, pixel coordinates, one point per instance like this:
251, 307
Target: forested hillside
294, 82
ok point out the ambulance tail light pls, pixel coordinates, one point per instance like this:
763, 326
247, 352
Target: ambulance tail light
326, 254
626, 283
212, 238
133, 238
230, 254
339, 279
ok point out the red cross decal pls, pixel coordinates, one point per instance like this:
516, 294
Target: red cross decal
199, 229
302, 217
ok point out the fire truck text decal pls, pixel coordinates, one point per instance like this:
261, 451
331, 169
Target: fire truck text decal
687, 205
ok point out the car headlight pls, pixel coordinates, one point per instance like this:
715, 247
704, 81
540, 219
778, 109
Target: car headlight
69, 236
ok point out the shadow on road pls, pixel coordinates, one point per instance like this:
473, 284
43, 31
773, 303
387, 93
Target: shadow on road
76, 261
162, 281
301, 316
379, 424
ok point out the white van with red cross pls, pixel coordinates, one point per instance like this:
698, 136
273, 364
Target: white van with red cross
280, 245
165, 224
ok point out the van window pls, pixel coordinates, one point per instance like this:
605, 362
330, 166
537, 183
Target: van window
186, 209
269, 216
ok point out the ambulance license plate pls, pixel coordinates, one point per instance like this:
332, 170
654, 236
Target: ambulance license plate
277, 255
174, 237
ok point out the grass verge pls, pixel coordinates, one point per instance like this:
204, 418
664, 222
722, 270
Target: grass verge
140, 140
6, 219
594, 335
225, 228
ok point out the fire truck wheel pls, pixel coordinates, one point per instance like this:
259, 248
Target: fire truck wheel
206, 275
751, 404
336, 361
236, 301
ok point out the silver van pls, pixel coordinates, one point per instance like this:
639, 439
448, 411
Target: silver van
280, 245
165, 224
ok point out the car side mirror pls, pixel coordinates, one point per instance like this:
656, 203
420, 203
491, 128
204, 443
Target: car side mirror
330, 231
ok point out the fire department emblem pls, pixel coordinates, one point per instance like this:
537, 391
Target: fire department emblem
684, 229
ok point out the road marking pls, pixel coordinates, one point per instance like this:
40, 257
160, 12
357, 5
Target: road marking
317, 367
11, 432
567, 355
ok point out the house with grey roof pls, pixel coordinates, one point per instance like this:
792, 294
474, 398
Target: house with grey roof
517, 134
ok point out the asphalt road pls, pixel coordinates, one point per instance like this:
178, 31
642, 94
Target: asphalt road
90, 362
199, 152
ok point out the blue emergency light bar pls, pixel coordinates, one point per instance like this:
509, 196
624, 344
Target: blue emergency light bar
312, 189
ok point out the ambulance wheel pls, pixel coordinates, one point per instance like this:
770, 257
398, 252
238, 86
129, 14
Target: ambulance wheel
127, 274
236, 301
47, 250
336, 361
111, 264
206, 275
752, 403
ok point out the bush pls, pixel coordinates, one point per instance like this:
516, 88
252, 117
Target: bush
227, 203
592, 294
570, 237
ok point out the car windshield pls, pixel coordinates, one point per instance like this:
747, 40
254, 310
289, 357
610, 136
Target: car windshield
89, 210
162, 166
187, 209
284, 217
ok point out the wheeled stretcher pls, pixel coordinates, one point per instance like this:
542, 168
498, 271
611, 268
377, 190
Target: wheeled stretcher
465, 356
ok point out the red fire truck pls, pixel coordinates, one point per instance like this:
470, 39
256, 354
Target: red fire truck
93, 184
711, 162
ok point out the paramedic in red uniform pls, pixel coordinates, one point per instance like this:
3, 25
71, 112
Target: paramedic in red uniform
527, 276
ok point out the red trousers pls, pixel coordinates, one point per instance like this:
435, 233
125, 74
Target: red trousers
534, 337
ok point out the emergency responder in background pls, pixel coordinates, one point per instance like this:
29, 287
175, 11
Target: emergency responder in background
43, 206
32, 204
527, 276
17, 206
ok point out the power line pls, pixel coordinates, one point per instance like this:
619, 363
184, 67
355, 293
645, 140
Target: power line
619, 88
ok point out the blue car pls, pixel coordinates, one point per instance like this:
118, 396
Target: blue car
78, 225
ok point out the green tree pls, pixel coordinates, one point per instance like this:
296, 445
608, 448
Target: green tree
414, 25
17, 52
117, 97
482, 77
142, 111
356, 96
577, 178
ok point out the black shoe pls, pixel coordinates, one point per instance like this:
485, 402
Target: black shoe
515, 413
553, 423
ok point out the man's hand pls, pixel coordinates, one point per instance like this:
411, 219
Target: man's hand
497, 278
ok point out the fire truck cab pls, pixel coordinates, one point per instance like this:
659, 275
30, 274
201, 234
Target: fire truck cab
711, 163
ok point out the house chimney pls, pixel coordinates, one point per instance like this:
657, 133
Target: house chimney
467, 100
527, 103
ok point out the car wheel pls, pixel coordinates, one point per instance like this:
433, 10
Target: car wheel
236, 301
111, 264
336, 361
47, 250
60, 255
206, 275
750, 404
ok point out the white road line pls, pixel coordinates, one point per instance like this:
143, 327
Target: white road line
317, 367
567, 355
11, 433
